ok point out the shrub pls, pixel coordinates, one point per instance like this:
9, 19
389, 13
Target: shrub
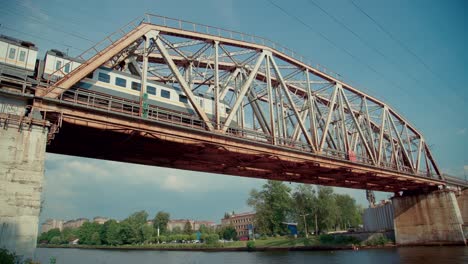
339, 240
377, 240
211, 239
7, 257
56, 240
250, 245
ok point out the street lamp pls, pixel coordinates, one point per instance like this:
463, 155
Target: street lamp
305, 224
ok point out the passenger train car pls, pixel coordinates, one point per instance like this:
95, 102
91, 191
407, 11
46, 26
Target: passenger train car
17, 57
22, 60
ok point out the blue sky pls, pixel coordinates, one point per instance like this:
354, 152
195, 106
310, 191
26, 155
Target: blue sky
426, 85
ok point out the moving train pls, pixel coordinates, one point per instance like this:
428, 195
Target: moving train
18, 59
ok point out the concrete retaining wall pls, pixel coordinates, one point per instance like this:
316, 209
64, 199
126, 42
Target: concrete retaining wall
432, 218
378, 218
22, 156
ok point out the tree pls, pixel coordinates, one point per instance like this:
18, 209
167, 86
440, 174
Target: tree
176, 230
131, 227
147, 232
47, 236
112, 234
272, 205
69, 234
327, 210
87, 233
160, 221
188, 228
228, 233
95, 239
56, 240
305, 207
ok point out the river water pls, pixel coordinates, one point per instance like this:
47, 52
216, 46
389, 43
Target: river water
418, 255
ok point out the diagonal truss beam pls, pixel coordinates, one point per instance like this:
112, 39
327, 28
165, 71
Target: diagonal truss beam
79, 73
291, 102
245, 87
185, 87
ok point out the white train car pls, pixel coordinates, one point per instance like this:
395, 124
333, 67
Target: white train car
125, 85
58, 64
17, 57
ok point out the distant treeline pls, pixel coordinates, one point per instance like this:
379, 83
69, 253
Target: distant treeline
133, 230
317, 208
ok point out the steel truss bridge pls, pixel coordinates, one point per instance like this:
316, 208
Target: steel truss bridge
288, 120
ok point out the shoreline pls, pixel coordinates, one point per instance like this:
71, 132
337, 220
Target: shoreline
222, 249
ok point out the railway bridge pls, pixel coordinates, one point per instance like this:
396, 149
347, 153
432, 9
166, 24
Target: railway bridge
287, 119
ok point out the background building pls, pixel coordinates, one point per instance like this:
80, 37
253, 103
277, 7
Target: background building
240, 222
100, 220
51, 224
75, 223
180, 223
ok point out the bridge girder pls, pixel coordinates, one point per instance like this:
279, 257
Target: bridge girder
274, 97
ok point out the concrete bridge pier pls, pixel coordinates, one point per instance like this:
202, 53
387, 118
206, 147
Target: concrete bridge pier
462, 199
22, 154
428, 218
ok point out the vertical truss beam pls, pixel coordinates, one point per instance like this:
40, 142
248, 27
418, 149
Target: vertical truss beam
270, 102
216, 85
312, 117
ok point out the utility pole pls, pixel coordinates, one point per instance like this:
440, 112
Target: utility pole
305, 225
316, 224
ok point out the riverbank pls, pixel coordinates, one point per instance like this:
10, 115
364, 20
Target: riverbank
221, 249
275, 244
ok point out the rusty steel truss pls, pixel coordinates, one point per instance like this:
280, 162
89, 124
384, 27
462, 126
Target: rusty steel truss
274, 95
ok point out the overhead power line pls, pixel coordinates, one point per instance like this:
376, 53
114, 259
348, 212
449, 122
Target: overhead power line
364, 41
399, 42
335, 45
38, 37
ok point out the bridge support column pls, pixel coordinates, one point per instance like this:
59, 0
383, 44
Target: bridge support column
22, 154
462, 200
429, 218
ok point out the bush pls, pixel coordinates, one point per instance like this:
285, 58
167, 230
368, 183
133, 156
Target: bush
8, 257
377, 240
56, 240
339, 240
263, 237
211, 239
250, 245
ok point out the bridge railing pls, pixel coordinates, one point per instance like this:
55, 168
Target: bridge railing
116, 105
231, 34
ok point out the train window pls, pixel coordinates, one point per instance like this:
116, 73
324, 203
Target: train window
22, 56
120, 82
12, 53
67, 68
166, 94
58, 65
183, 98
136, 86
104, 77
151, 90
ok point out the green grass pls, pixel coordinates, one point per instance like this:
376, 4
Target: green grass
276, 242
